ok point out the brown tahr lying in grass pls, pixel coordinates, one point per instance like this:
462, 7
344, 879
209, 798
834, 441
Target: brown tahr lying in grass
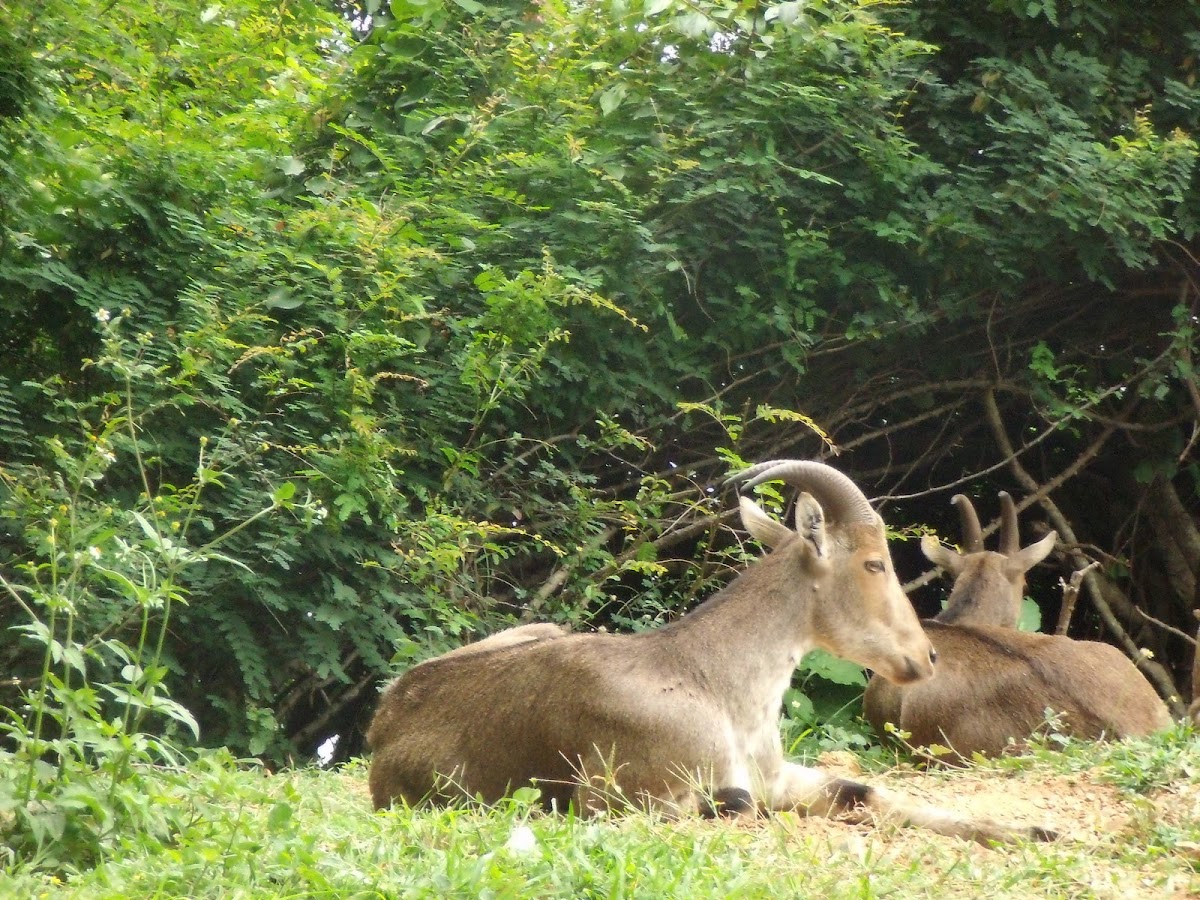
995, 684
684, 718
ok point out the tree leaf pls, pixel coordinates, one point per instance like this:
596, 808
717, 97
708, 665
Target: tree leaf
282, 298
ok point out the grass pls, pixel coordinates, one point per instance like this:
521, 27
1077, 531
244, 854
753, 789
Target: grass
1130, 815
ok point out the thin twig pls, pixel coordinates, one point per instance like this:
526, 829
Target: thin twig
1011, 455
314, 728
560, 575
1159, 623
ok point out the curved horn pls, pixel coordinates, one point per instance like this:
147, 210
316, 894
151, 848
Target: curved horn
972, 534
1010, 536
754, 470
840, 497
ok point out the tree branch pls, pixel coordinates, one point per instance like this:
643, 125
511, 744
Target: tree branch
1070, 592
310, 732
560, 575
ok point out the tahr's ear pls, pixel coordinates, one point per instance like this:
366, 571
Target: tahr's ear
941, 555
762, 527
810, 524
1030, 556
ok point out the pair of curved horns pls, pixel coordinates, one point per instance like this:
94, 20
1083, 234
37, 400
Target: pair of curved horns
840, 498
972, 534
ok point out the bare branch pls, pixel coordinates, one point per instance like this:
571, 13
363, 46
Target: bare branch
345, 698
1070, 591
1011, 455
1158, 623
560, 575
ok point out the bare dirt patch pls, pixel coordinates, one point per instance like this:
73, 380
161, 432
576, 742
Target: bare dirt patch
1101, 852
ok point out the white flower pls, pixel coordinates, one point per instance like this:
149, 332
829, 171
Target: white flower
103, 315
522, 840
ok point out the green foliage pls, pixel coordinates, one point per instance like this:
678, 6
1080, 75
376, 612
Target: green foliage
87, 702
1070, 150
1157, 762
821, 711
235, 829
501, 291
1031, 615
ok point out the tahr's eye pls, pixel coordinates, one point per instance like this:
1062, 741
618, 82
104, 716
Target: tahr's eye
874, 566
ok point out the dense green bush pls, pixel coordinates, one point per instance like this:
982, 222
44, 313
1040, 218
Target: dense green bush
458, 313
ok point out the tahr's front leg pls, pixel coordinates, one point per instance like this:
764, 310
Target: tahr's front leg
816, 793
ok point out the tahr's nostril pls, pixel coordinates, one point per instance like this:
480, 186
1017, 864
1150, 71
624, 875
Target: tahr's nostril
932, 656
